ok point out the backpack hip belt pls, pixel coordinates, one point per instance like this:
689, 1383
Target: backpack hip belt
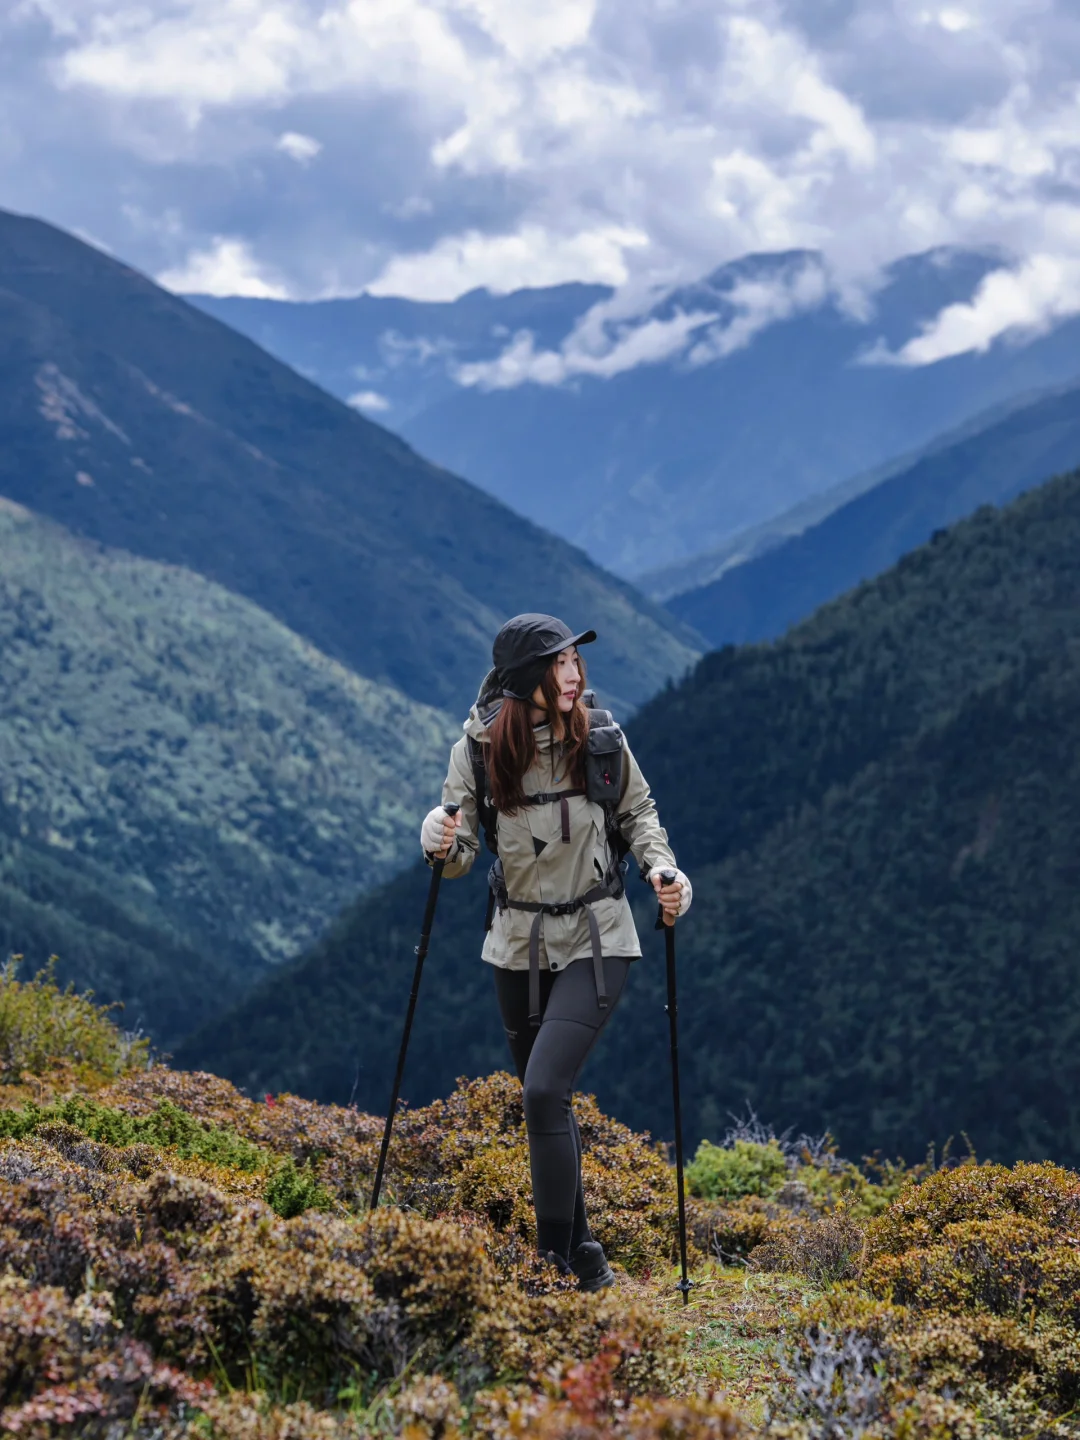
610, 888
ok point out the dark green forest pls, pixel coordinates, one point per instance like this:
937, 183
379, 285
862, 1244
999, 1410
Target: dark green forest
112, 935
881, 816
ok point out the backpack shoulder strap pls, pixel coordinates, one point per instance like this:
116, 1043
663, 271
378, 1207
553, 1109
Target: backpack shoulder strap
598, 719
486, 812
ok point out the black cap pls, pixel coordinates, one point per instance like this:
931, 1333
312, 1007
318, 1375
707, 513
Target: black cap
525, 645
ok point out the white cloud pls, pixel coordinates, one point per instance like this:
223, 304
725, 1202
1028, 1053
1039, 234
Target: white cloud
758, 303
397, 349
500, 143
369, 400
301, 148
409, 208
757, 202
633, 345
196, 54
530, 32
951, 18
613, 336
771, 69
226, 268
531, 256
1020, 302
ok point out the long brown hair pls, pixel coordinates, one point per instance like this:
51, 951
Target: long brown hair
512, 745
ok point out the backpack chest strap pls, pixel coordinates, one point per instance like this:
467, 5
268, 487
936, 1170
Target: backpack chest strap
557, 797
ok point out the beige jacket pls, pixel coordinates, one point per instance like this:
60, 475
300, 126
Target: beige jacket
539, 866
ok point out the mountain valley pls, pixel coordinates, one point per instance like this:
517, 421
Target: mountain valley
660, 433
879, 815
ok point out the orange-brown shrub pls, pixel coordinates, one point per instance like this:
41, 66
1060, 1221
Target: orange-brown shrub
587, 1402
972, 1280
982, 1237
215, 1284
64, 1365
470, 1152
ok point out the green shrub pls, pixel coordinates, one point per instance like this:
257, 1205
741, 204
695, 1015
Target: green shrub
470, 1152
166, 1126
969, 1288
730, 1172
292, 1190
982, 1237
42, 1025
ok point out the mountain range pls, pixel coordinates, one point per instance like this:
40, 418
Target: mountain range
779, 394
239, 623
135, 420
880, 816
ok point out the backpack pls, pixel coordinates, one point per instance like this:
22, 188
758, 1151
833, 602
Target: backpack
603, 774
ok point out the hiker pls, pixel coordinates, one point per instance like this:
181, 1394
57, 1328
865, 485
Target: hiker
551, 783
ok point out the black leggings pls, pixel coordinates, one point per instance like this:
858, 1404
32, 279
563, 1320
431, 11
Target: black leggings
548, 1058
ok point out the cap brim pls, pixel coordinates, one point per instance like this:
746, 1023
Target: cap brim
585, 638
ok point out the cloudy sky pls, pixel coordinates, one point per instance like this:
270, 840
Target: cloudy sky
303, 148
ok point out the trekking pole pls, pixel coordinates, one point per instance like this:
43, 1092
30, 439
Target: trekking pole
668, 877
421, 955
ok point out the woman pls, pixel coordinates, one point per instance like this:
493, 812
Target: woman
561, 934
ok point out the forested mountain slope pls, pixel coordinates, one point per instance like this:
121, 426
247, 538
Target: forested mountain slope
1008, 454
881, 815
135, 420
209, 766
113, 936
699, 571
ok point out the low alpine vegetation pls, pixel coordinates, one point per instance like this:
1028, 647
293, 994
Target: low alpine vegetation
180, 1260
42, 1027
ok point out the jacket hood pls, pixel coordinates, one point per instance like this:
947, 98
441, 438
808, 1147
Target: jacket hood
486, 707
476, 726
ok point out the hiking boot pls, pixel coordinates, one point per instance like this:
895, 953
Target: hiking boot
589, 1264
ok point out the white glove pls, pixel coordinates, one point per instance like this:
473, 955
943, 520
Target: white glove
687, 895
432, 832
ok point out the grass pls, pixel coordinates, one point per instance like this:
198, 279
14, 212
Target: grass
733, 1329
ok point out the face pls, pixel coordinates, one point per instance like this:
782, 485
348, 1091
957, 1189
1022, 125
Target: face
567, 678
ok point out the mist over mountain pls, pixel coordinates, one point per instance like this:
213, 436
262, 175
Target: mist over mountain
879, 815
648, 462
135, 420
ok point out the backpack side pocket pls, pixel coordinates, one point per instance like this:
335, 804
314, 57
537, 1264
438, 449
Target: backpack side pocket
603, 764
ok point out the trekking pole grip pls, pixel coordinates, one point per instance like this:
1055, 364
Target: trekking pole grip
433, 895
668, 877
